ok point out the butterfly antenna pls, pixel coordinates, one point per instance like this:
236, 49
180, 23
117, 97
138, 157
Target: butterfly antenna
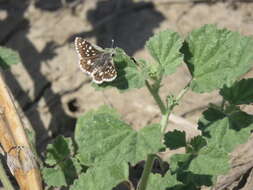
112, 43
112, 47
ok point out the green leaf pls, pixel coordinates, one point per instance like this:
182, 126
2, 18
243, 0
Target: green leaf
59, 150
171, 182
211, 160
103, 137
240, 93
216, 57
175, 139
102, 177
8, 57
137, 73
194, 181
207, 156
130, 74
164, 47
196, 144
222, 131
63, 174
158, 182
179, 162
65, 168
200, 168
54, 177
226, 130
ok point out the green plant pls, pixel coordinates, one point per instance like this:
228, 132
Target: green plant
106, 146
8, 57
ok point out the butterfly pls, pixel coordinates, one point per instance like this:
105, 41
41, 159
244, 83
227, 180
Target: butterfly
95, 61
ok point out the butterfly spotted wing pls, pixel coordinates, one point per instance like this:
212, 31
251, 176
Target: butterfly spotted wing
95, 61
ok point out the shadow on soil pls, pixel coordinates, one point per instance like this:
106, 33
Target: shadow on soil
128, 23
14, 30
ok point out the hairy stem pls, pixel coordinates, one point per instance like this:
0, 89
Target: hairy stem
165, 109
146, 172
182, 93
164, 121
155, 93
223, 103
170, 106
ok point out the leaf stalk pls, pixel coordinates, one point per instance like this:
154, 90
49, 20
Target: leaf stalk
171, 102
146, 172
154, 91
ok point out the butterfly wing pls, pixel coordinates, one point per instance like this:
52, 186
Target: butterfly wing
85, 49
107, 72
86, 66
88, 55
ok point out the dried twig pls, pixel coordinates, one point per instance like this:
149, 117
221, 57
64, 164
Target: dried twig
15, 144
249, 184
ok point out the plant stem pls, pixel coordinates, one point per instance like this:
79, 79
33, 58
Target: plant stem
223, 103
165, 116
154, 91
165, 109
156, 96
182, 93
164, 122
4, 178
146, 172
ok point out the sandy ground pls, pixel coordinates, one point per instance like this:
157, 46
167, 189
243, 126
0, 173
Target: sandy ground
51, 91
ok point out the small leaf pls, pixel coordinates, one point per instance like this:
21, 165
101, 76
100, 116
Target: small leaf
175, 139
57, 151
226, 130
102, 177
8, 57
158, 182
216, 57
240, 93
194, 181
202, 167
66, 168
211, 160
164, 47
130, 74
172, 182
196, 144
63, 174
179, 162
54, 177
103, 137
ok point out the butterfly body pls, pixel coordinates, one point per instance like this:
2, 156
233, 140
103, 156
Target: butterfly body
95, 61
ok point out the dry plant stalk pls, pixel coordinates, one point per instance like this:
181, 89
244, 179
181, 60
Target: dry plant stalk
14, 141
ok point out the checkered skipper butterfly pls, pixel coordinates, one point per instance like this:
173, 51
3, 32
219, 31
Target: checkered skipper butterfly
95, 61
